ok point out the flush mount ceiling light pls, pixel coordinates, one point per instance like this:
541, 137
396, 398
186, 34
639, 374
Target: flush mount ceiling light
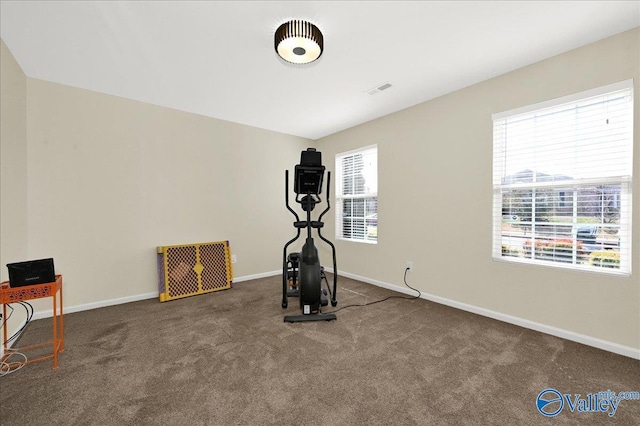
298, 42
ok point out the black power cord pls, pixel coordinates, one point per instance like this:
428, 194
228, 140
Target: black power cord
386, 298
8, 366
29, 312
4, 320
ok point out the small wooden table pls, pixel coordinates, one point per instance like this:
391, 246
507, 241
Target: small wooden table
29, 292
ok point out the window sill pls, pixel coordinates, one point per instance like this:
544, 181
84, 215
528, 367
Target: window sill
560, 265
351, 240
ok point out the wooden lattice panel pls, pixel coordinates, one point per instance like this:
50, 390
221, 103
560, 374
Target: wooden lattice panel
190, 269
214, 259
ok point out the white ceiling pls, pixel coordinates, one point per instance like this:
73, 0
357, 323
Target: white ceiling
217, 58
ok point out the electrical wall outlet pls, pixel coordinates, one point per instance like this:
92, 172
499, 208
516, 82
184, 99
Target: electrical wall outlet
234, 259
409, 265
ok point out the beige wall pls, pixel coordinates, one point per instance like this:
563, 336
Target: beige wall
13, 161
435, 200
110, 179
13, 170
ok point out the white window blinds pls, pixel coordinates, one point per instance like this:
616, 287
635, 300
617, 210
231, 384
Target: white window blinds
562, 181
357, 195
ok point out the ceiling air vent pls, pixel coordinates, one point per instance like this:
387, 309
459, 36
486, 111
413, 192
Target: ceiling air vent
378, 89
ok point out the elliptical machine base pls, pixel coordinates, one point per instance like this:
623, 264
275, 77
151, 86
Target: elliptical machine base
315, 317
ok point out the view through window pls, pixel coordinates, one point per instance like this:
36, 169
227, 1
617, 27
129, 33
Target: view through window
562, 181
357, 195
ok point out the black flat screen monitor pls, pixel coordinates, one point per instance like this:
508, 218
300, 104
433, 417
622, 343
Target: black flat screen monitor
31, 272
309, 173
308, 180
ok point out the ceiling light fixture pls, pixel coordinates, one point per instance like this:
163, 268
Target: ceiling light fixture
299, 42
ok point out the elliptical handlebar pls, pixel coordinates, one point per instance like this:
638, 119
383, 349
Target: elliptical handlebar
328, 196
286, 195
334, 301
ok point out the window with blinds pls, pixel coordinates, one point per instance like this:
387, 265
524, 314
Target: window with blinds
357, 195
562, 174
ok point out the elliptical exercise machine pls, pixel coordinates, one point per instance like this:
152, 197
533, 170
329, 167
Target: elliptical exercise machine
302, 274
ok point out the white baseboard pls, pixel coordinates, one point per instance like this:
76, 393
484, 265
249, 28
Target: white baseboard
12, 342
96, 305
543, 328
135, 298
256, 276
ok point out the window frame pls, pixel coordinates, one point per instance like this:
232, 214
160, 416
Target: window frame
340, 197
623, 177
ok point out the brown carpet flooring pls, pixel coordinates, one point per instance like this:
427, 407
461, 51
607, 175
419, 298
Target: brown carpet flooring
227, 358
